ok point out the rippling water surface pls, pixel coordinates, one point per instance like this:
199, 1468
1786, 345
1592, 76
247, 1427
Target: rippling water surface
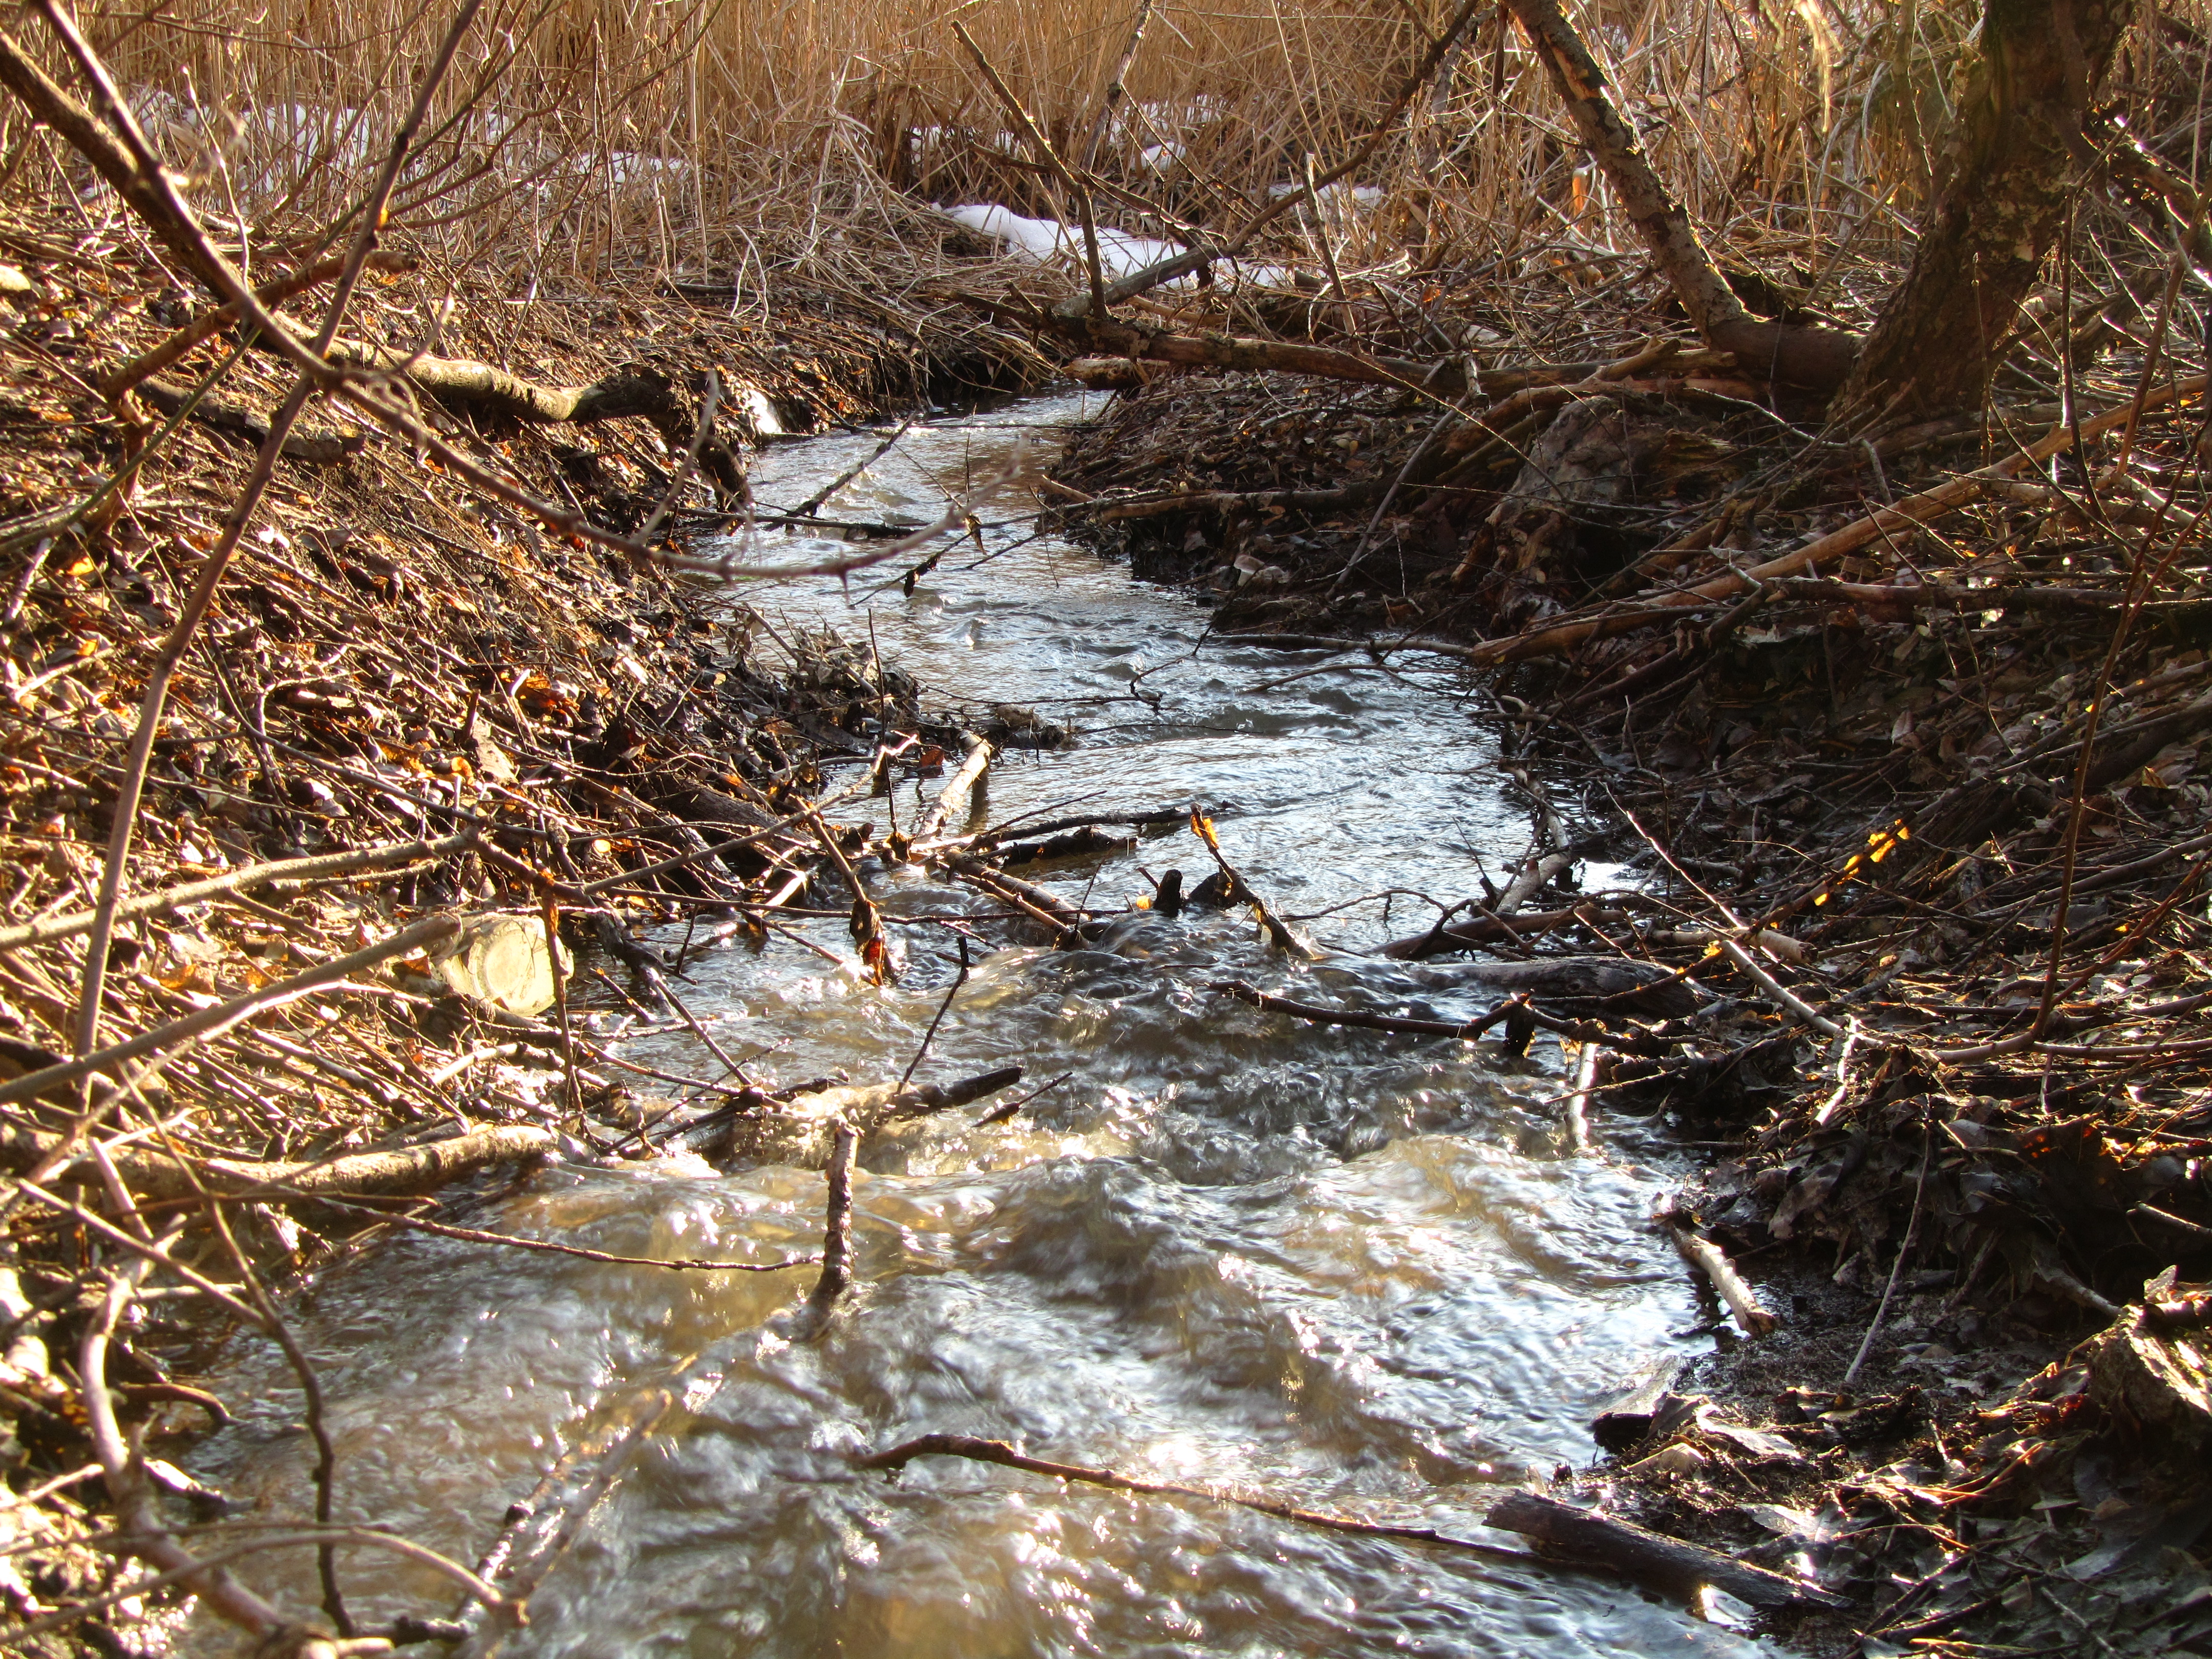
1349, 1270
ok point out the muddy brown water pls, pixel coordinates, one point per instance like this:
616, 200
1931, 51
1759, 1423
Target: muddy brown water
1356, 1272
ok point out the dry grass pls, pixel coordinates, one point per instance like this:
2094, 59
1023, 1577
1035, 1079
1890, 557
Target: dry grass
796, 146
591, 139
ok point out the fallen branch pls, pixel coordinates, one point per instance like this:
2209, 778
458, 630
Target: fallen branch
802, 1131
1465, 1031
170, 900
427, 934
979, 1451
158, 1174
478, 1236
1236, 890
1654, 1558
1907, 514
961, 784
837, 1238
1742, 1299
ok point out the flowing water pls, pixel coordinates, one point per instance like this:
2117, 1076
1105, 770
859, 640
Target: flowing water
1357, 1272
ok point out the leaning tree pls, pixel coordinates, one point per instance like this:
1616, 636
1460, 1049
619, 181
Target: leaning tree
2017, 151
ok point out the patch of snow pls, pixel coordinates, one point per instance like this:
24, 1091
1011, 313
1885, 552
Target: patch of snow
754, 406
1120, 253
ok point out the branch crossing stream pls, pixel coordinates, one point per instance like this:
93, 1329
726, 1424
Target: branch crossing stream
1355, 1271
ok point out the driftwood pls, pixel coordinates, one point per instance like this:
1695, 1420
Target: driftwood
1131, 343
974, 762
1653, 1557
1742, 1301
1231, 888
802, 1132
1359, 1020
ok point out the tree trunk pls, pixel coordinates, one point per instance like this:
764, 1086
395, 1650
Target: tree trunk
2012, 165
1816, 359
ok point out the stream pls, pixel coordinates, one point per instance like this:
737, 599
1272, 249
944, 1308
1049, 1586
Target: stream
1356, 1272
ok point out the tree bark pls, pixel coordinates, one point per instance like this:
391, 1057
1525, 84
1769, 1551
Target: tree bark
2013, 161
1817, 359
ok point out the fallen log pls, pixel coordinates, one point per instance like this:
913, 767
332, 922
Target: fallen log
152, 1173
1651, 1556
646, 391
249, 427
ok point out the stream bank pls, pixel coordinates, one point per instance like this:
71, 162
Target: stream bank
1947, 778
407, 704
605, 779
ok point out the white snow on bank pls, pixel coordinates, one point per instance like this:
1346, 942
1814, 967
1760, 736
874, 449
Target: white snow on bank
1120, 253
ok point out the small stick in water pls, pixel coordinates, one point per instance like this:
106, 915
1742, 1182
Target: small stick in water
836, 1240
1742, 1300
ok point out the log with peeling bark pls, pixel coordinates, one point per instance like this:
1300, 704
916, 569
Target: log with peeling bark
1711, 1260
152, 1173
653, 392
1651, 1557
959, 788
